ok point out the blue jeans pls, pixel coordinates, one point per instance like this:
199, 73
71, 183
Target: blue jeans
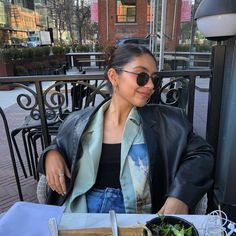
103, 200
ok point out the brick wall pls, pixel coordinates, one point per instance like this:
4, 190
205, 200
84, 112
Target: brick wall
120, 30
109, 35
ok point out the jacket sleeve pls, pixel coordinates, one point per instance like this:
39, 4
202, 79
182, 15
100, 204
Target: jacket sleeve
59, 143
194, 175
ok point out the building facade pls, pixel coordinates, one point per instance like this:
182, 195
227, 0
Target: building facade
131, 18
17, 18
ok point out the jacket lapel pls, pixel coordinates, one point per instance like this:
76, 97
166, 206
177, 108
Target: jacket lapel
158, 173
92, 144
130, 132
84, 127
78, 131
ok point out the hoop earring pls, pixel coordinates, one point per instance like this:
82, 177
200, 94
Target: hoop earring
147, 102
114, 89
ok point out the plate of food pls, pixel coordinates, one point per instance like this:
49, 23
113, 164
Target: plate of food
170, 226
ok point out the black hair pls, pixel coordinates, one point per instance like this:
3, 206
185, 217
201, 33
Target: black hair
121, 55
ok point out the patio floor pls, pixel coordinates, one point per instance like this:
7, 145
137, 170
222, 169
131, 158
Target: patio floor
8, 188
15, 117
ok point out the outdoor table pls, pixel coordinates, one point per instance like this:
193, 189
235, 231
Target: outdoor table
34, 218
175, 60
91, 55
75, 222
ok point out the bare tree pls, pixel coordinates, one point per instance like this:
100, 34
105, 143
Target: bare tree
72, 16
70, 19
58, 14
82, 12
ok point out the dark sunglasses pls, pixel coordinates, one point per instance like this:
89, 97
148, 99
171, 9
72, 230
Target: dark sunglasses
142, 77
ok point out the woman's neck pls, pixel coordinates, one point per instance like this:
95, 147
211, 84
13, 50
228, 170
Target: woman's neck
114, 120
118, 111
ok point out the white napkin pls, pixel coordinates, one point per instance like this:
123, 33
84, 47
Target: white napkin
29, 219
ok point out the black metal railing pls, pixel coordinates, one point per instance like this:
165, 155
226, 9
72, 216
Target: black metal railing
176, 88
35, 99
180, 89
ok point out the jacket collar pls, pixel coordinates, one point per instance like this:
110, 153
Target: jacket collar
98, 117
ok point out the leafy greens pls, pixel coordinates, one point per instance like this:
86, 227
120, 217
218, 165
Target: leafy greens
166, 229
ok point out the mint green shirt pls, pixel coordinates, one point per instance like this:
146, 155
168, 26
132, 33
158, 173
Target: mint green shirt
134, 165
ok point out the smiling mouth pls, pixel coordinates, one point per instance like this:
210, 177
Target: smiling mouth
145, 95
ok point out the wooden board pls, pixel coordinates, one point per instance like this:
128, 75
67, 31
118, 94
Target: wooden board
102, 232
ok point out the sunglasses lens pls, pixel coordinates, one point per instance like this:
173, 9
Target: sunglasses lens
155, 79
142, 79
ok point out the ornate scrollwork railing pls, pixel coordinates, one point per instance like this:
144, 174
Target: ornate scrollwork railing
175, 92
53, 100
56, 97
26, 101
46, 104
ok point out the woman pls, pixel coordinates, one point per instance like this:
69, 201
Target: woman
126, 155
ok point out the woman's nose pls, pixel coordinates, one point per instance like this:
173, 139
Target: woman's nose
150, 84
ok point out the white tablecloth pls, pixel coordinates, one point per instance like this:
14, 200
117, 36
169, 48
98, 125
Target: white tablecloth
29, 219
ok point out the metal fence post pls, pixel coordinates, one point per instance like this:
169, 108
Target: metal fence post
215, 95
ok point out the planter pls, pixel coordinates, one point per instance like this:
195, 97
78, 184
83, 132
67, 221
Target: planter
6, 87
6, 69
41, 66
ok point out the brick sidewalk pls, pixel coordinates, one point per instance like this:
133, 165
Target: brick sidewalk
8, 188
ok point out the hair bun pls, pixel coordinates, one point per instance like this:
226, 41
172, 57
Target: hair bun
109, 52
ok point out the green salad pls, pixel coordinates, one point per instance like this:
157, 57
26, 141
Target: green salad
167, 229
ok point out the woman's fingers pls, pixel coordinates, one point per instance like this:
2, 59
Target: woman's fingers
62, 179
58, 178
56, 170
173, 206
63, 184
161, 211
50, 182
57, 182
67, 172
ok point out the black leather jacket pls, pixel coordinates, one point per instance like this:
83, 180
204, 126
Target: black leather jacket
181, 162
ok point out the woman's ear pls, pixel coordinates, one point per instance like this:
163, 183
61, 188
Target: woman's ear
112, 76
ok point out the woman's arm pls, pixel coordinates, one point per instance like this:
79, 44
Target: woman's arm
56, 170
194, 176
53, 162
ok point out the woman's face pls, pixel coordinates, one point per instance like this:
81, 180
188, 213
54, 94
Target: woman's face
126, 88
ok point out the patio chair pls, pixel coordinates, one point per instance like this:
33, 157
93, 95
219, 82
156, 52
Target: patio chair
42, 190
30, 125
26, 129
13, 160
201, 207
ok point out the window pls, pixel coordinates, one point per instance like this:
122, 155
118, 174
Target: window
2, 14
126, 11
149, 12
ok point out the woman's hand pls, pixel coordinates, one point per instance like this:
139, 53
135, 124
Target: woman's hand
173, 206
56, 169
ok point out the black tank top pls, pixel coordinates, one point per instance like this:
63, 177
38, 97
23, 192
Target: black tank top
109, 167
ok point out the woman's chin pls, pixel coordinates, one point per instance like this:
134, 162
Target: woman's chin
141, 103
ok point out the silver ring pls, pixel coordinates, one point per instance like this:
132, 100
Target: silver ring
61, 174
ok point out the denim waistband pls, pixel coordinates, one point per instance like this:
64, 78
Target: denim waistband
103, 200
